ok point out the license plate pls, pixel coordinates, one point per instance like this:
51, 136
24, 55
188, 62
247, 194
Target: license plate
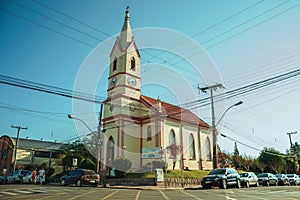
208, 182
92, 181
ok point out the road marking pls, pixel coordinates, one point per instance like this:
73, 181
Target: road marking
191, 195
229, 198
52, 196
163, 194
110, 195
39, 191
24, 191
82, 194
9, 193
138, 195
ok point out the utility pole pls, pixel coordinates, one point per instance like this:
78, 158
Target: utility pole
214, 134
17, 143
99, 139
294, 154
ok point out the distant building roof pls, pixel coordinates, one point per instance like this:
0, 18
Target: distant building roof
37, 144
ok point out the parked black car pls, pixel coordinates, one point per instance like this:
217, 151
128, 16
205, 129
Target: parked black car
282, 179
222, 178
248, 179
80, 177
267, 179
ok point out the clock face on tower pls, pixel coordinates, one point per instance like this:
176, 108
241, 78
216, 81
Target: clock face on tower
131, 81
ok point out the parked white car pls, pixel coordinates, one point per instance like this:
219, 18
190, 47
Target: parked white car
294, 179
248, 179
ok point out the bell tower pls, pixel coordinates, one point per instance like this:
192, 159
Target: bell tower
124, 73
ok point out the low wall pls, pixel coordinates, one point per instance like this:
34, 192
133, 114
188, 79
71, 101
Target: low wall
131, 181
151, 181
183, 182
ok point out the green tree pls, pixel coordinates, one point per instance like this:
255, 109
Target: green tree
273, 159
224, 159
75, 150
87, 163
247, 162
236, 158
121, 166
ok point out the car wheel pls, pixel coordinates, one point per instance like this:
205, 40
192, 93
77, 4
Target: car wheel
206, 187
224, 184
78, 183
63, 182
238, 183
247, 184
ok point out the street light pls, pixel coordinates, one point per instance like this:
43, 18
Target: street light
72, 117
99, 142
215, 158
236, 104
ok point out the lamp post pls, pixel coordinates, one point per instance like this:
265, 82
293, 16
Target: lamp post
99, 142
73, 117
214, 135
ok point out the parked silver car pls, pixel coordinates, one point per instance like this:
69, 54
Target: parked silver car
248, 179
294, 179
17, 176
267, 179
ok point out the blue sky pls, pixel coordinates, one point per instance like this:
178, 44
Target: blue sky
247, 40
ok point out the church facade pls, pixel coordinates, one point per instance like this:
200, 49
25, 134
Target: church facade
143, 129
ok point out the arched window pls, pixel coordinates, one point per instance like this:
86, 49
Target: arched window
208, 149
115, 64
132, 63
110, 150
149, 134
172, 138
192, 147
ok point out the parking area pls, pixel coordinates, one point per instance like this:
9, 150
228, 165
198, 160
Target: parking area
72, 192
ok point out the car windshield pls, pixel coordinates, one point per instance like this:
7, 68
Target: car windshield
244, 174
218, 171
290, 175
263, 175
278, 175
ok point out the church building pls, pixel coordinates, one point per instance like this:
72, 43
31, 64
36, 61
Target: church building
144, 129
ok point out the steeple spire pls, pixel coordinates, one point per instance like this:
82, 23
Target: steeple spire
126, 36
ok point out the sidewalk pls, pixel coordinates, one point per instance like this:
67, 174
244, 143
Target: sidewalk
188, 187
192, 187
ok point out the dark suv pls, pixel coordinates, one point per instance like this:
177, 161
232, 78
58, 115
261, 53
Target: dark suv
222, 178
80, 177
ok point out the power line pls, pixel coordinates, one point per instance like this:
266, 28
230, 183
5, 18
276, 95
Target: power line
50, 89
251, 147
210, 27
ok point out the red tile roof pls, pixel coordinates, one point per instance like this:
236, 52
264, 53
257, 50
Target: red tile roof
175, 112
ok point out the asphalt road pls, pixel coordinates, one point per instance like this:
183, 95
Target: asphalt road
25, 192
